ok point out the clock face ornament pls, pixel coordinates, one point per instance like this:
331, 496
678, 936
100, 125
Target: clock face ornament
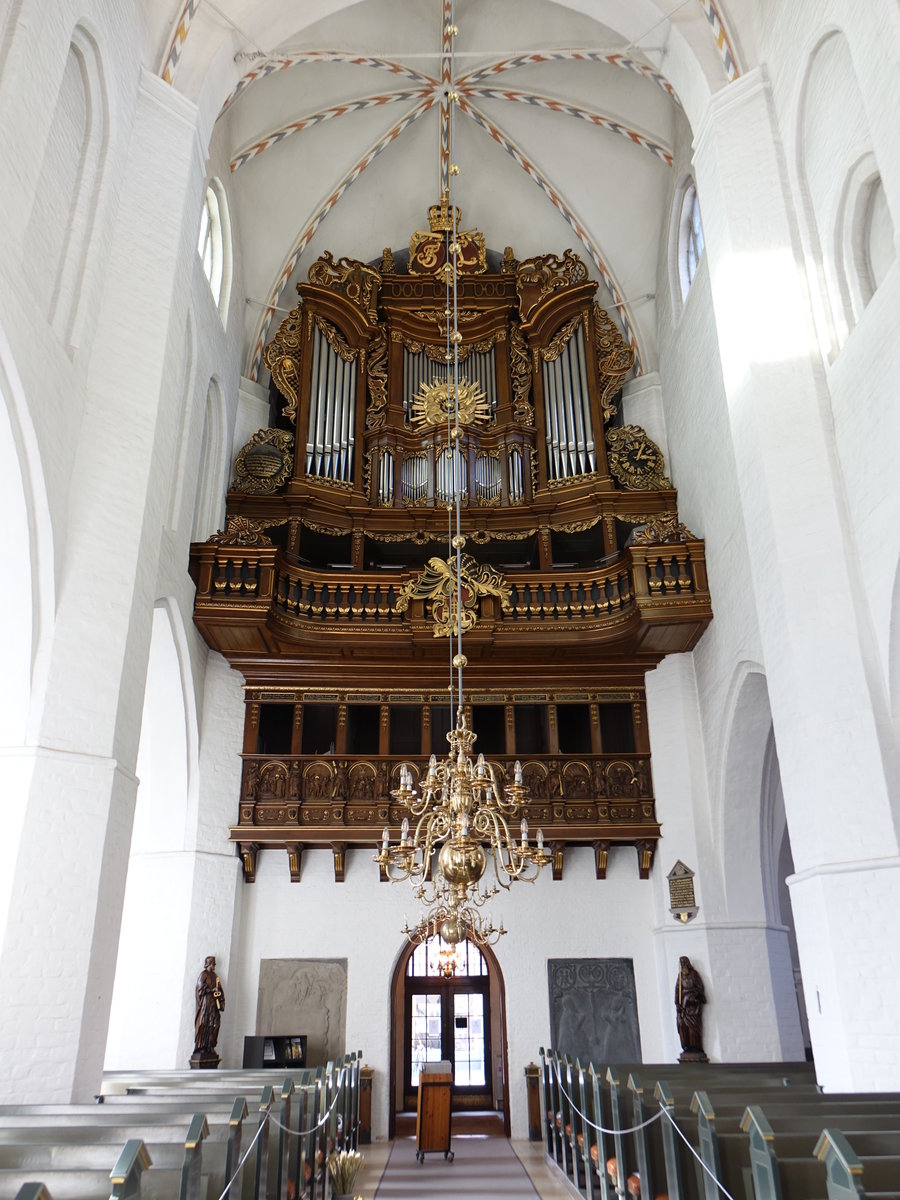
635, 460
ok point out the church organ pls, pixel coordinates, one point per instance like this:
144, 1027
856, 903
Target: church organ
329, 588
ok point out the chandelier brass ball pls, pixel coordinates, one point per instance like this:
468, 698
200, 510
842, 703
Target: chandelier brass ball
459, 661
451, 930
462, 864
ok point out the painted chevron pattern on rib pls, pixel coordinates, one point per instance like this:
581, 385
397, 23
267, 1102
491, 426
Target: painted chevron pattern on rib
625, 61
324, 208
325, 114
173, 53
446, 50
573, 110
285, 62
557, 200
720, 33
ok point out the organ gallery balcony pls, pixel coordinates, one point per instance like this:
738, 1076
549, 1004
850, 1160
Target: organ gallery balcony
335, 591
252, 600
295, 803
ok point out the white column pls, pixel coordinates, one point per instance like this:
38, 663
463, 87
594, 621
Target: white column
827, 707
217, 891
58, 957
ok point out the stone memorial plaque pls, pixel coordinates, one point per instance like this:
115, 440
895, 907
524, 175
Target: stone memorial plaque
305, 996
593, 1010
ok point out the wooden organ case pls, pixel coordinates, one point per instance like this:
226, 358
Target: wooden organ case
328, 587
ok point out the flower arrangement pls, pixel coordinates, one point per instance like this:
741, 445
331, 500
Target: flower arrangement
343, 1167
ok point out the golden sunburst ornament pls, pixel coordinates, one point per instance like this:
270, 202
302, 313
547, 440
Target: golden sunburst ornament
434, 403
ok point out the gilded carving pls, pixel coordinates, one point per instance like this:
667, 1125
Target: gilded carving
537, 277
245, 531
282, 357
509, 263
635, 460
335, 339
330, 530
481, 537
437, 402
437, 583
662, 529
557, 344
387, 265
578, 526
359, 283
520, 372
265, 463
377, 378
615, 359
428, 249
444, 319
416, 537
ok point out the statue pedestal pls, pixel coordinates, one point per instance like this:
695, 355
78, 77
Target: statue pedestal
204, 1060
684, 1056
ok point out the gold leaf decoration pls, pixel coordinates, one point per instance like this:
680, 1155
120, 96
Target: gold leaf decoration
359, 283
245, 531
377, 378
521, 373
453, 606
615, 359
282, 357
635, 460
335, 340
265, 463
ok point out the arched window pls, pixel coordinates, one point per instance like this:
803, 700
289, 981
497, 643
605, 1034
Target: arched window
214, 244
877, 234
438, 959
690, 239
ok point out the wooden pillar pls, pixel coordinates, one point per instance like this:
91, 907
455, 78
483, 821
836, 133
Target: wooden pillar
510, 713
641, 728
384, 730
251, 728
596, 739
426, 729
533, 1090
545, 550
366, 1074
552, 730
340, 746
297, 730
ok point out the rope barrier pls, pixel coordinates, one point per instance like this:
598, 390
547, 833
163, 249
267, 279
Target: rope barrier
273, 1120
244, 1157
724, 1190
663, 1110
600, 1129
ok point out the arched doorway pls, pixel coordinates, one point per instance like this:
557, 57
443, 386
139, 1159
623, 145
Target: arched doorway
448, 1003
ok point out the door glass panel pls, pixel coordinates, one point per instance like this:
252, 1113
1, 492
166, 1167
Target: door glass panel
468, 1039
425, 1033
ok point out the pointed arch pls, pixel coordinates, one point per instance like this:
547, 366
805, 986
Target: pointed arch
27, 600
209, 498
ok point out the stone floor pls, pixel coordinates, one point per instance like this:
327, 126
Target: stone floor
549, 1183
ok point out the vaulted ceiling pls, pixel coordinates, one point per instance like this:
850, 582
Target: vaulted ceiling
327, 116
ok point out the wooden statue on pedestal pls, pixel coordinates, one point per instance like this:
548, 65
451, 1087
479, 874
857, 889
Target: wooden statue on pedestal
689, 1000
210, 1005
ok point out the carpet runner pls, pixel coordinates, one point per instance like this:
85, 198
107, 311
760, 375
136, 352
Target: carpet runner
483, 1168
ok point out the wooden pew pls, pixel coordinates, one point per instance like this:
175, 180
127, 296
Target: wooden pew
72, 1146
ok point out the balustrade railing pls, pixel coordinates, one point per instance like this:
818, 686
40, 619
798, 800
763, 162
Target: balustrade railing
303, 596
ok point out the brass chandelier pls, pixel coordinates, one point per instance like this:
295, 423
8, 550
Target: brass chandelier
463, 814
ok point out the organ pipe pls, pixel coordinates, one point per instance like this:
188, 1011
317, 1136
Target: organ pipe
567, 410
331, 427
